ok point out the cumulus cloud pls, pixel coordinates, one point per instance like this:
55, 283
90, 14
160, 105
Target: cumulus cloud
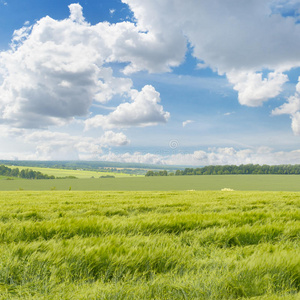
187, 122
76, 13
47, 79
60, 147
236, 38
136, 157
292, 108
253, 89
143, 110
63, 146
55, 70
111, 138
215, 156
231, 156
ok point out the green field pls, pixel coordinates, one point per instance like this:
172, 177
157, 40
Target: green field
83, 174
149, 245
161, 183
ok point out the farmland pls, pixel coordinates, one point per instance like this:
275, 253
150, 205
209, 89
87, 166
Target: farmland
141, 245
161, 183
83, 174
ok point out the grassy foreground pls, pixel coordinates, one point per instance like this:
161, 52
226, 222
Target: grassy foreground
161, 183
149, 245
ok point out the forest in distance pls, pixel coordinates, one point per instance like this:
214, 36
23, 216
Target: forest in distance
231, 169
249, 169
27, 173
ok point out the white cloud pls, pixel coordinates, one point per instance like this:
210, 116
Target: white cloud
55, 69
136, 157
231, 156
296, 123
111, 138
292, 108
63, 146
253, 89
215, 156
187, 122
76, 13
47, 79
237, 38
144, 110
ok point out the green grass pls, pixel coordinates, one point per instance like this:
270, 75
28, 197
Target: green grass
8, 178
67, 172
161, 183
149, 245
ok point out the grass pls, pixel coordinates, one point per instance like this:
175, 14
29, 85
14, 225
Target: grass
161, 183
83, 174
149, 245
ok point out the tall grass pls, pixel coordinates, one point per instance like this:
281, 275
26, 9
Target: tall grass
141, 245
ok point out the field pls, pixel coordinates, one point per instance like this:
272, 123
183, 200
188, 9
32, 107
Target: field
67, 172
161, 183
149, 245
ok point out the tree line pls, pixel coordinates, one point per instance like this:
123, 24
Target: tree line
231, 169
25, 173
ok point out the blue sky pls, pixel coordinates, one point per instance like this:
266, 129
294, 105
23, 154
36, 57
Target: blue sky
151, 81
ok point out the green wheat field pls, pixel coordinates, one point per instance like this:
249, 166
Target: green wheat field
159, 183
149, 245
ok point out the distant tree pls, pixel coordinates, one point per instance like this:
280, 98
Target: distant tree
149, 173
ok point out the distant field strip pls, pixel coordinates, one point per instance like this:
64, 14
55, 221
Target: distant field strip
77, 173
161, 183
150, 245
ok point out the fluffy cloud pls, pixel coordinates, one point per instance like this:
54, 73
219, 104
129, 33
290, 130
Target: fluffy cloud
136, 157
55, 69
62, 146
47, 79
111, 138
215, 156
187, 122
253, 90
236, 38
292, 108
144, 110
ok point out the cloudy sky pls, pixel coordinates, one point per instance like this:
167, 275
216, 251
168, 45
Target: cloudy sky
153, 81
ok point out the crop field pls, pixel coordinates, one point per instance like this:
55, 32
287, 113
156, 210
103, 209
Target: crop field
149, 245
161, 183
77, 173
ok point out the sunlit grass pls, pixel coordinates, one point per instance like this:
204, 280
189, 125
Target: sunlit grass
142, 245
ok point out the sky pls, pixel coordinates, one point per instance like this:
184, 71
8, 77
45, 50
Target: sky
150, 81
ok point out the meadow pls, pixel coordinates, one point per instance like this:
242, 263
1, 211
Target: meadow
149, 245
161, 183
